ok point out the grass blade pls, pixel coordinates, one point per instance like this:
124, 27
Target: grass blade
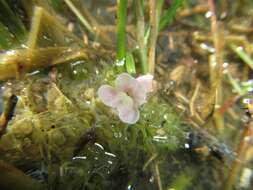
169, 14
130, 64
11, 21
79, 16
242, 55
140, 34
121, 30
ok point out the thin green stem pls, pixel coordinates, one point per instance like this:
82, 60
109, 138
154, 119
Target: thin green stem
140, 34
246, 58
154, 14
79, 16
169, 14
35, 27
11, 21
130, 64
234, 83
121, 30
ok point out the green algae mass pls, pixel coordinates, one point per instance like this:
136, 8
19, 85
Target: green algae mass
64, 136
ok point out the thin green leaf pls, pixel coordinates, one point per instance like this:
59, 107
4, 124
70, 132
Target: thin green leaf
169, 14
121, 29
140, 34
11, 21
246, 58
130, 64
79, 16
236, 86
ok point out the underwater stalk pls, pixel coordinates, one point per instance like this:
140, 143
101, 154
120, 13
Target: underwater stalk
35, 27
121, 30
234, 83
59, 30
140, 34
216, 85
79, 16
158, 177
154, 13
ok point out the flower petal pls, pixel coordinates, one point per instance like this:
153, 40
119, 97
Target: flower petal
128, 113
146, 82
126, 82
108, 95
132, 87
139, 96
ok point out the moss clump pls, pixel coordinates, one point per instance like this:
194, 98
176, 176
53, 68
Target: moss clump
67, 134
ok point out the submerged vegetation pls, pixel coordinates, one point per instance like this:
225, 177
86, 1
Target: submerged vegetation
192, 131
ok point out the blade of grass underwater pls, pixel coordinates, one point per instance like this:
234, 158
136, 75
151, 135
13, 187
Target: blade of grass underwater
140, 34
121, 30
79, 16
35, 27
242, 55
234, 83
130, 64
10, 20
169, 14
154, 15
6, 38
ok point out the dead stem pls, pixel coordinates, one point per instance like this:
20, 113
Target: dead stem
111, 28
241, 28
180, 96
218, 38
78, 14
153, 35
241, 150
239, 40
195, 10
192, 100
59, 29
157, 174
149, 161
35, 27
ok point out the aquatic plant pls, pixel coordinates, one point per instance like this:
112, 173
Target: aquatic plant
127, 96
66, 68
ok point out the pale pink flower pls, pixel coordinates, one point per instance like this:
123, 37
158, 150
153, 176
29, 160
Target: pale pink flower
128, 94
